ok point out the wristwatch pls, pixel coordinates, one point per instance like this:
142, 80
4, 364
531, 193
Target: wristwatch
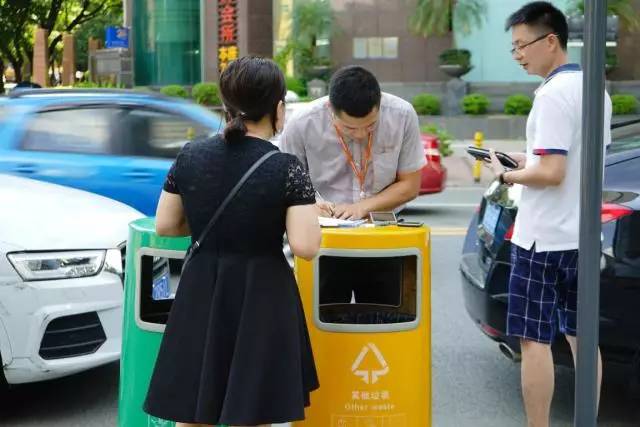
501, 179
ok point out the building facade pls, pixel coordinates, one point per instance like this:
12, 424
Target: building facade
188, 41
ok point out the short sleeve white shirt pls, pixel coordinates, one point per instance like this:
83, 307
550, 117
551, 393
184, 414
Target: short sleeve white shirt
549, 217
396, 148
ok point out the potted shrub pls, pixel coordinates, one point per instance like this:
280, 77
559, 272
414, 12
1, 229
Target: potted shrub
444, 137
475, 104
455, 62
426, 104
176, 91
206, 94
518, 105
624, 104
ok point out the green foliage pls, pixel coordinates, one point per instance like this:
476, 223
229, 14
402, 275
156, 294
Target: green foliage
18, 19
98, 85
475, 104
312, 20
624, 104
176, 91
624, 9
296, 85
426, 104
444, 137
435, 17
206, 94
518, 105
94, 28
456, 57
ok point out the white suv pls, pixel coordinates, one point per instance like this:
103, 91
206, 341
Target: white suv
61, 261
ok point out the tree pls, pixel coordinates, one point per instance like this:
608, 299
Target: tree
435, 17
1, 76
312, 20
19, 18
624, 9
15, 35
94, 28
64, 16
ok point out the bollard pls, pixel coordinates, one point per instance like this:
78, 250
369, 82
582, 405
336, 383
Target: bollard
477, 165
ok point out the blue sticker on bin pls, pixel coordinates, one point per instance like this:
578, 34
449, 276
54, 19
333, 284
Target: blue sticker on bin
160, 289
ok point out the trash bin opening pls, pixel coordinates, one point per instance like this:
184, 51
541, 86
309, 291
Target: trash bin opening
158, 285
367, 290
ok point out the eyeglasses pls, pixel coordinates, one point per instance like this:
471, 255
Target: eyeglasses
519, 49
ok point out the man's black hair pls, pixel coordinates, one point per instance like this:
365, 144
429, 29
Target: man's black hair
544, 15
355, 91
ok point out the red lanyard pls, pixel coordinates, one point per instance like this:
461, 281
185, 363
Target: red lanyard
360, 173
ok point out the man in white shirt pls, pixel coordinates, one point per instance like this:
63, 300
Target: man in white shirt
362, 147
543, 282
363, 151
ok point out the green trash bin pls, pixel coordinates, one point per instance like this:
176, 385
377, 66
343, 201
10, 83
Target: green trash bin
150, 282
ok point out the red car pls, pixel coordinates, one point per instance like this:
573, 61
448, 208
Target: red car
434, 174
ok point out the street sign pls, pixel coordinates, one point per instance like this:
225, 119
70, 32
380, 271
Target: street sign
117, 37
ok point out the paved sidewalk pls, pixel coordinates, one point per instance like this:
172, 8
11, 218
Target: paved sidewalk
460, 165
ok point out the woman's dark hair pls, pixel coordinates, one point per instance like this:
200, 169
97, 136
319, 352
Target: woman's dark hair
354, 90
251, 88
543, 15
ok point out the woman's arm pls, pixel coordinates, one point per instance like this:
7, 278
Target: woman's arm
170, 217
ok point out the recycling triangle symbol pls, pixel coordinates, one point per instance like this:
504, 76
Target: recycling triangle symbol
370, 376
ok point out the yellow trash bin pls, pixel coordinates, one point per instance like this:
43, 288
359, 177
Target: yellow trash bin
367, 301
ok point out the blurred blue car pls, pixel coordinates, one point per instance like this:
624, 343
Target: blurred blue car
119, 144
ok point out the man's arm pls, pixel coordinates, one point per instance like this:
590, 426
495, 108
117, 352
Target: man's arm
405, 189
292, 142
549, 172
408, 178
553, 137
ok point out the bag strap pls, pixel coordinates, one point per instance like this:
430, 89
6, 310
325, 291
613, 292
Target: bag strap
230, 196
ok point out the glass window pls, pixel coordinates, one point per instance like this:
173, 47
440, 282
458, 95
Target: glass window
78, 130
374, 45
359, 48
158, 134
390, 47
625, 138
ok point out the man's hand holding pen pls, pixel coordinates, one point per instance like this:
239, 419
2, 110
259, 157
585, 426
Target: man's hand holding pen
325, 208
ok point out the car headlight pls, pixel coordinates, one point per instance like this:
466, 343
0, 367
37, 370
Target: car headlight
57, 265
113, 262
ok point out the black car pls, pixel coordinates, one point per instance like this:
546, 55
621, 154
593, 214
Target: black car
485, 264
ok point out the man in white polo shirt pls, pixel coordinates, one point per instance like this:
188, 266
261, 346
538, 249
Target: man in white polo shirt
543, 282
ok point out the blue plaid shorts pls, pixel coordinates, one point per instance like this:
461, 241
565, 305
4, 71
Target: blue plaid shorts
543, 294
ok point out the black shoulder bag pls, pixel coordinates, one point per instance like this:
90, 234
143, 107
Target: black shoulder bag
195, 245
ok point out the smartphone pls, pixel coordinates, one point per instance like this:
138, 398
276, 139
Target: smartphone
410, 223
383, 218
483, 154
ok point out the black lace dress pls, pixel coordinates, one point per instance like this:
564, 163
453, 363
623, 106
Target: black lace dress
236, 348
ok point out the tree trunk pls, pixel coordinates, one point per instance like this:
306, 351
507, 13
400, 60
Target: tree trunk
17, 69
1, 77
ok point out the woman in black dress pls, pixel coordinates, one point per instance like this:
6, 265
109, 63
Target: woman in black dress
236, 349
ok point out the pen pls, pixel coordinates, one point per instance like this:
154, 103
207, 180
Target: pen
328, 204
